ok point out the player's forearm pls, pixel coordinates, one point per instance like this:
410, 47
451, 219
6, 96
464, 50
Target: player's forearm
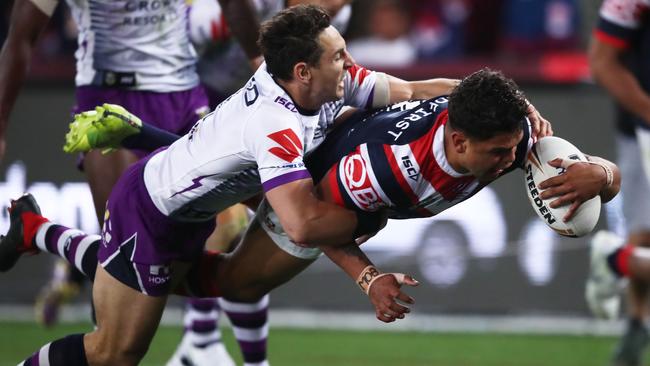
401, 90
243, 24
14, 63
27, 23
609, 191
620, 83
350, 258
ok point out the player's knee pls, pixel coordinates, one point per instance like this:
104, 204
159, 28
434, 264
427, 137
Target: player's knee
245, 294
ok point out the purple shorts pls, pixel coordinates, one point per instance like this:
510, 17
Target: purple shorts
139, 243
175, 112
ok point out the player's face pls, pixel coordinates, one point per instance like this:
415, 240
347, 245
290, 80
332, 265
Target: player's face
327, 80
487, 159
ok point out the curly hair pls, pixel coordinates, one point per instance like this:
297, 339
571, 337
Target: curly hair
291, 36
486, 104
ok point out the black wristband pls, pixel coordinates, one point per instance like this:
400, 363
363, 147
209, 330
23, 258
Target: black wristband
367, 223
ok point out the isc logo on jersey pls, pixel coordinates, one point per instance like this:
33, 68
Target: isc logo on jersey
354, 175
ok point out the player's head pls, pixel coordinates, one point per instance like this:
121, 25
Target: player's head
299, 44
485, 115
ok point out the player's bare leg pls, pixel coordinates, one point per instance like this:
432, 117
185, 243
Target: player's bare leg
126, 322
612, 258
256, 267
201, 343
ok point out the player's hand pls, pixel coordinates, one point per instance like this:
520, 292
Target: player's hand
387, 297
580, 182
541, 127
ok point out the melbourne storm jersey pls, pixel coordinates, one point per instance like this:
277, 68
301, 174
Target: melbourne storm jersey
253, 141
395, 158
137, 44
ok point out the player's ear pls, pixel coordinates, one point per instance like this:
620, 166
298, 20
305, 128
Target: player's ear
459, 141
302, 72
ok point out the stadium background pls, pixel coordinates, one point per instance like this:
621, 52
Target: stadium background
491, 265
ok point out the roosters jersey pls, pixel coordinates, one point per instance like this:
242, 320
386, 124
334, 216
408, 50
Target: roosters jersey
624, 24
395, 159
253, 141
137, 44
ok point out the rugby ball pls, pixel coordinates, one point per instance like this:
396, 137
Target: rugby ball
538, 170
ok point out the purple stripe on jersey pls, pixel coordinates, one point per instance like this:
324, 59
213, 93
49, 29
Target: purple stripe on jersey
284, 179
370, 98
34, 361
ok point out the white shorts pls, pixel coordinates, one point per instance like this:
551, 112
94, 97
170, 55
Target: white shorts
271, 224
633, 160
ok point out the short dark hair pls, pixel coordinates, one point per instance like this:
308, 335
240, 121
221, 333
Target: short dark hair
485, 104
291, 36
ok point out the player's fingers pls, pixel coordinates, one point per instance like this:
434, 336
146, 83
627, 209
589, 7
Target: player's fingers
572, 210
410, 281
384, 317
563, 200
399, 309
553, 181
555, 191
405, 298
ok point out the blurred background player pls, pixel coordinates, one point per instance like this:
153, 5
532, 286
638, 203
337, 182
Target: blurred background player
136, 53
620, 62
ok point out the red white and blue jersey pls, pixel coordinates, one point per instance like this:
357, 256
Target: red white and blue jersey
621, 22
395, 159
625, 24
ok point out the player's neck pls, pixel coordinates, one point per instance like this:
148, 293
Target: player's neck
453, 157
300, 96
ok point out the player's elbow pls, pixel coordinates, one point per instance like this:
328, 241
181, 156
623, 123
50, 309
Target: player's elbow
299, 232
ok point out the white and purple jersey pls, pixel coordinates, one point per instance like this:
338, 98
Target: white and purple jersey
134, 44
254, 141
223, 65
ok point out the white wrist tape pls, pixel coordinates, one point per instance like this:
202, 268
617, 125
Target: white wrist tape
370, 274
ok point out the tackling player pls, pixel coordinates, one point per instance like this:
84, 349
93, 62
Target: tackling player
162, 208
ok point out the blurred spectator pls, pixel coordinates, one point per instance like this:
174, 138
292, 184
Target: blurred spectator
439, 28
484, 29
387, 43
536, 26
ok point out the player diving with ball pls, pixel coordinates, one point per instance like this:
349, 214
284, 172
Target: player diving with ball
408, 160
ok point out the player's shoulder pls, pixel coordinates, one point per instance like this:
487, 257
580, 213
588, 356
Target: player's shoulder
626, 13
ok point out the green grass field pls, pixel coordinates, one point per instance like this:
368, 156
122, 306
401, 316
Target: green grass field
347, 348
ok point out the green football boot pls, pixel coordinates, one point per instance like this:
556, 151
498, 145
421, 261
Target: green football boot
104, 128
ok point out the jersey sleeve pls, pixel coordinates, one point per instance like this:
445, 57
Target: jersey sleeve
365, 88
277, 147
620, 21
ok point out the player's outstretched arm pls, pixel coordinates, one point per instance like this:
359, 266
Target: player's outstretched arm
609, 71
383, 289
401, 90
27, 23
581, 182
